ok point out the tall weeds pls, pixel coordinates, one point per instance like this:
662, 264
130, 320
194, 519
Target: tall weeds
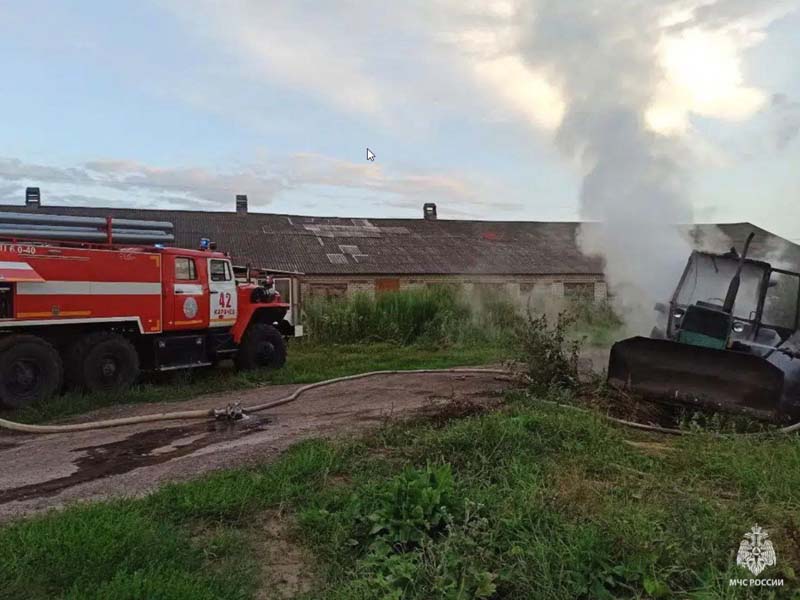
432, 314
442, 315
595, 322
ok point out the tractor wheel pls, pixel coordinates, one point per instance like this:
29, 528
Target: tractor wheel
262, 346
30, 370
103, 362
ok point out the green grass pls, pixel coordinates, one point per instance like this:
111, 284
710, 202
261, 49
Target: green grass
307, 362
117, 550
531, 501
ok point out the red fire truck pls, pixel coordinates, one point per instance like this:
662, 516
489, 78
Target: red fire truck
92, 314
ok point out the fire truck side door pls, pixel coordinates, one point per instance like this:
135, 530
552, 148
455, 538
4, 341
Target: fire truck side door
222, 290
188, 294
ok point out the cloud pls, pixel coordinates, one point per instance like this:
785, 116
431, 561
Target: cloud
702, 76
403, 67
786, 115
12, 169
389, 63
363, 60
313, 169
727, 13
201, 186
9, 192
138, 184
284, 43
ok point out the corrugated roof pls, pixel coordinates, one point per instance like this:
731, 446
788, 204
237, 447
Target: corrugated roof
334, 245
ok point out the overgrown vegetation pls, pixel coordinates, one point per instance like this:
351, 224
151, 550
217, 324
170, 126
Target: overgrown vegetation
594, 322
430, 314
448, 315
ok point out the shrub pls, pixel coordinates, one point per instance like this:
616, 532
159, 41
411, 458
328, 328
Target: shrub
549, 356
422, 544
415, 505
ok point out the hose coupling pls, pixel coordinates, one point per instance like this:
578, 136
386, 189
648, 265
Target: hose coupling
232, 412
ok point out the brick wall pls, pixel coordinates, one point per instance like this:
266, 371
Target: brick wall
355, 287
522, 289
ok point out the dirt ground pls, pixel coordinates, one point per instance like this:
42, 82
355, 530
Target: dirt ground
38, 472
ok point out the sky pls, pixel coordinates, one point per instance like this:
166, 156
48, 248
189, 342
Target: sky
490, 109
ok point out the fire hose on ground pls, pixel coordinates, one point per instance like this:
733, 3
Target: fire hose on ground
218, 413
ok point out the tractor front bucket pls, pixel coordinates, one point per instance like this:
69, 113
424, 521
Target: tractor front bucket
721, 380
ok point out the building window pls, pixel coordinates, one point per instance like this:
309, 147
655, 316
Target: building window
185, 269
579, 290
220, 270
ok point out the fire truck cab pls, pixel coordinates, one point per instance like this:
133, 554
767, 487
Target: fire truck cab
92, 316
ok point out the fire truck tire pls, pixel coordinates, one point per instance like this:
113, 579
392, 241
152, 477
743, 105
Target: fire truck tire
103, 362
262, 346
30, 370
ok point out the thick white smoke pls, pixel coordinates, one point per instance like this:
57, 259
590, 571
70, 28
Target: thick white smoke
603, 55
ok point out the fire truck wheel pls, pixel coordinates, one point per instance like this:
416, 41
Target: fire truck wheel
103, 362
30, 370
262, 346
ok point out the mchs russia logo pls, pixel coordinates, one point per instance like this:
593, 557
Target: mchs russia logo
755, 554
756, 551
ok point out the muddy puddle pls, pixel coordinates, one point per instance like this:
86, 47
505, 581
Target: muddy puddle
138, 450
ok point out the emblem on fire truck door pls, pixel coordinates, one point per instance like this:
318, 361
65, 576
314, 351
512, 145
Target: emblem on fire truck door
190, 308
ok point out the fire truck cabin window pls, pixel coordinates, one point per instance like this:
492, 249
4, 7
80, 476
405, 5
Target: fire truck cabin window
220, 270
185, 269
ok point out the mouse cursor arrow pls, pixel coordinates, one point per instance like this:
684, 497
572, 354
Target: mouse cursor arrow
370, 155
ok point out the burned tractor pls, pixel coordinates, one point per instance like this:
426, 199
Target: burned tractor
728, 340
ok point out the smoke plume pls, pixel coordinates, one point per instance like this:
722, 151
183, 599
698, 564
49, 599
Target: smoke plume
603, 56
633, 189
